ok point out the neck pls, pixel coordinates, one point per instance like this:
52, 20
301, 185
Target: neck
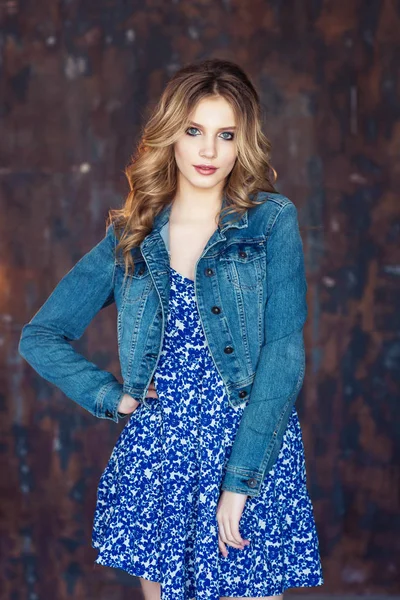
196, 207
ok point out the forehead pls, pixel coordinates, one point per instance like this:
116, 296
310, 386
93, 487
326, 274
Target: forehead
213, 113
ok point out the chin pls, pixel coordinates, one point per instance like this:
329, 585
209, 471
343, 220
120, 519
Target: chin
204, 182
205, 186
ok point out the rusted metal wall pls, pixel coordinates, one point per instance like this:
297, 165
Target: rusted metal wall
76, 79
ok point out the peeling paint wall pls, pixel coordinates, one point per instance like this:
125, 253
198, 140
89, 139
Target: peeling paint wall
76, 81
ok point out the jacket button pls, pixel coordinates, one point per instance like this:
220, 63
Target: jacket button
216, 310
242, 254
141, 271
228, 349
252, 482
109, 413
209, 271
242, 393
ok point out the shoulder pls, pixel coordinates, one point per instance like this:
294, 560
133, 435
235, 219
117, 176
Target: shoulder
273, 209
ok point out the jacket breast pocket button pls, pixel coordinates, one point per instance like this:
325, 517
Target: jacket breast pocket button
209, 271
228, 349
242, 393
242, 254
252, 482
109, 413
216, 310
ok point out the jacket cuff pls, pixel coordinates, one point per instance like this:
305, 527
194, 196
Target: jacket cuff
243, 482
108, 400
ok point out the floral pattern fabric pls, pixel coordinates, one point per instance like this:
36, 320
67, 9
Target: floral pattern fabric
157, 498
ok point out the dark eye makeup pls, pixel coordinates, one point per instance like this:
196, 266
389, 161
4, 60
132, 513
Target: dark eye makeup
223, 132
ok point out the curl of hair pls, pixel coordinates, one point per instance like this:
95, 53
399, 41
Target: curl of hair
152, 172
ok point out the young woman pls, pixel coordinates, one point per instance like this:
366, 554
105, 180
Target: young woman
205, 494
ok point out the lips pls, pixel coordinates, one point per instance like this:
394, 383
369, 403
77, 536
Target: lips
205, 169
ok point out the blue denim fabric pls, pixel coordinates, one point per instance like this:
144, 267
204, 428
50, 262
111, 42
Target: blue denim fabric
250, 288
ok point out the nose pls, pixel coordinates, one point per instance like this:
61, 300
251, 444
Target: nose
208, 149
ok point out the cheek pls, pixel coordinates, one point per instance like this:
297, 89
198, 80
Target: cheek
182, 154
229, 158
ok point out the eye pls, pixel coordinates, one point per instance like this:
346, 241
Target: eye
229, 133
223, 133
189, 128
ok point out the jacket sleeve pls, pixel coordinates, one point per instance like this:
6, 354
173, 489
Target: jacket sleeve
281, 364
45, 341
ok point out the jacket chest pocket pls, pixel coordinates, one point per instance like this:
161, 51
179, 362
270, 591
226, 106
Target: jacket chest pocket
245, 263
136, 286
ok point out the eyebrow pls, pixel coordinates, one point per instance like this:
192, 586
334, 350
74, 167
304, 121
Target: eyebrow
220, 129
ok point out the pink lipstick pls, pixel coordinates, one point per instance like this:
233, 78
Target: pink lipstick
205, 169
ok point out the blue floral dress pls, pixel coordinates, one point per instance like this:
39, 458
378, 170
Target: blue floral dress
157, 498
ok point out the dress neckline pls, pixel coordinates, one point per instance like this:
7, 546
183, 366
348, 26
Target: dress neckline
191, 281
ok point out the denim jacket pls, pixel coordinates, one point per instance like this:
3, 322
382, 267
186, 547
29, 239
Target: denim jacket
250, 289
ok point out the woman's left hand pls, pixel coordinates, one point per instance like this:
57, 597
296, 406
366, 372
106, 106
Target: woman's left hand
229, 511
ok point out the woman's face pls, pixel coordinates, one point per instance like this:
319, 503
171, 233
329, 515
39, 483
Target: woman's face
209, 140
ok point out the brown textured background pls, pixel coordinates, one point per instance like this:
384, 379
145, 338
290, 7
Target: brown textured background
76, 80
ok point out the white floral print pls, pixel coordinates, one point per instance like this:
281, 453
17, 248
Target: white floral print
157, 497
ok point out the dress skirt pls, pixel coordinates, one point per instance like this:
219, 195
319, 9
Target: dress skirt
157, 498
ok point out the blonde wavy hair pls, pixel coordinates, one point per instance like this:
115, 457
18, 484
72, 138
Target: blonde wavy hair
152, 172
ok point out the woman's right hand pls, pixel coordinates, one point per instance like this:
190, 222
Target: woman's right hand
128, 404
151, 392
